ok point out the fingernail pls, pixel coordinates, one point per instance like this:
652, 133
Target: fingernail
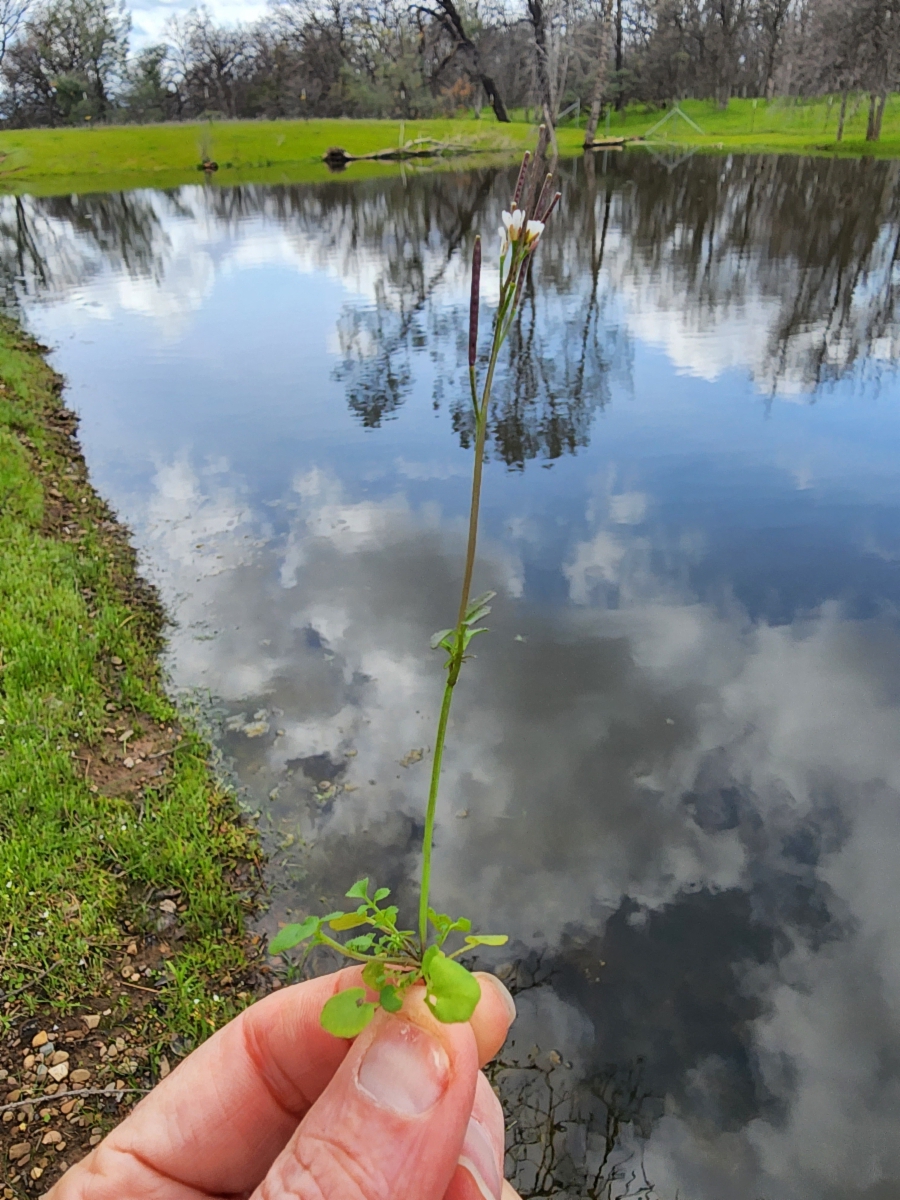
479, 1160
404, 1069
502, 991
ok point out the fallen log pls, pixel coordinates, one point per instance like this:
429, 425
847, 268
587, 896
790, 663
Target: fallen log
337, 157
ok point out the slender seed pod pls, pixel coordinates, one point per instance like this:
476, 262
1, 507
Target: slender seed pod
520, 182
473, 301
542, 198
553, 203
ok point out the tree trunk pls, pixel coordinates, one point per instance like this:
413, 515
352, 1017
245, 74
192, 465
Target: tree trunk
493, 95
842, 117
870, 124
599, 88
452, 23
542, 58
620, 58
879, 115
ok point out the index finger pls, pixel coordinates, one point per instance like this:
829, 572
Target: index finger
219, 1121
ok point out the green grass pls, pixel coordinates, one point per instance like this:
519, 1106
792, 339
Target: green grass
781, 126
55, 161
78, 862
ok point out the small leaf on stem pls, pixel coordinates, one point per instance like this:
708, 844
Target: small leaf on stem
390, 999
453, 992
360, 890
349, 921
487, 939
293, 935
348, 1013
437, 640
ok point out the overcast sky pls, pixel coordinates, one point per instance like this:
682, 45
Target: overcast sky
149, 16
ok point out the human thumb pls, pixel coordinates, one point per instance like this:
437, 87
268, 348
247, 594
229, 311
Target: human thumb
390, 1125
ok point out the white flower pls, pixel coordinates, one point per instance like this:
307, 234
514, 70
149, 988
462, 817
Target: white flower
533, 231
512, 223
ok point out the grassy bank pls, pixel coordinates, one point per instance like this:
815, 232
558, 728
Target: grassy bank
125, 871
56, 161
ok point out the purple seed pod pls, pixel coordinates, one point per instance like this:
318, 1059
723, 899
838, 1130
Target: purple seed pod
520, 182
553, 203
542, 198
473, 302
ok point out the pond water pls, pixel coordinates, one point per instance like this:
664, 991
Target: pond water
673, 772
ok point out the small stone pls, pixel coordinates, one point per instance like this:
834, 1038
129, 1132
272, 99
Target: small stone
19, 1150
168, 906
116, 661
66, 1107
129, 763
91, 1020
135, 977
40, 1039
51, 1137
59, 1072
47, 1049
164, 1067
58, 1056
462, 814
36, 1172
13, 1096
120, 1043
132, 949
81, 1075
127, 970
555, 1057
29, 1062
350, 753
111, 1051
94, 1140
60, 1146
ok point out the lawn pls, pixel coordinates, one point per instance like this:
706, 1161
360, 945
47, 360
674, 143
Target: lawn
125, 869
54, 161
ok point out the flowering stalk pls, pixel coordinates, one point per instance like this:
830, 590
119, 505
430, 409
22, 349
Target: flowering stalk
520, 233
394, 958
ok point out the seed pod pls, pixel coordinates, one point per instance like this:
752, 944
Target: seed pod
520, 182
473, 301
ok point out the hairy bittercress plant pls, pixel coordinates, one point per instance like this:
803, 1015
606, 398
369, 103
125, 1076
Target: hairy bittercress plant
395, 959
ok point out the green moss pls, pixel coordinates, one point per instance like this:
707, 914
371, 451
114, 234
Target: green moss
79, 644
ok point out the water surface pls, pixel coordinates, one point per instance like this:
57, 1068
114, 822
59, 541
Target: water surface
673, 773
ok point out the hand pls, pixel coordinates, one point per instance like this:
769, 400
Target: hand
273, 1107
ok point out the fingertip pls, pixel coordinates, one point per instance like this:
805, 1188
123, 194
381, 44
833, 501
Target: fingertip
492, 1018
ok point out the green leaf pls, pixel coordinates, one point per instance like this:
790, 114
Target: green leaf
440, 921
453, 992
374, 976
348, 1013
487, 939
349, 921
360, 890
462, 924
437, 639
363, 942
390, 998
293, 935
478, 602
478, 614
381, 894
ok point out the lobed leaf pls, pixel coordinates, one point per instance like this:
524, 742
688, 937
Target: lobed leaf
453, 992
360, 890
293, 935
348, 1013
390, 999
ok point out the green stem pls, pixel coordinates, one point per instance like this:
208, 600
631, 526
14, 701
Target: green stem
428, 839
456, 661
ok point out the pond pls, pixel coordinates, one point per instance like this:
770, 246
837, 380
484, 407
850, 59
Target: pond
673, 771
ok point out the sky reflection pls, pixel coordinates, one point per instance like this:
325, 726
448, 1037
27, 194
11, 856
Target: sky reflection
675, 754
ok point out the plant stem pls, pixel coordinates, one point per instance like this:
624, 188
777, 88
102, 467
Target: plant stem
455, 664
428, 838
